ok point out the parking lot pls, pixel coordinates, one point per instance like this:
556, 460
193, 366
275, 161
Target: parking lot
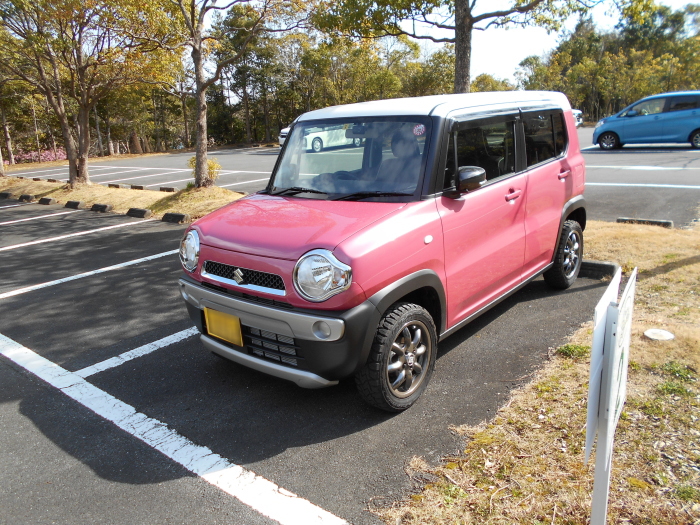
113, 412
641, 182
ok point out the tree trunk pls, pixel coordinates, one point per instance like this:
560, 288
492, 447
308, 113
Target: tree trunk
110, 144
2, 165
183, 101
83, 145
8, 139
246, 108
267, 116
99, 134
201, 171
36, 134
134, 143
463, 45
53, 143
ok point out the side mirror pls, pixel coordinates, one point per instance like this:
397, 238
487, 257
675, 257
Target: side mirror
470, 178
632, 113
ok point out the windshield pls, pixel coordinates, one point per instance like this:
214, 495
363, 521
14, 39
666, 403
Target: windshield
361, 158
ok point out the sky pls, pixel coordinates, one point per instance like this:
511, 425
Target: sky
499, 51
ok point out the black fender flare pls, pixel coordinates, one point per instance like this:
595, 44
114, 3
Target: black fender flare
387, 296
578, 202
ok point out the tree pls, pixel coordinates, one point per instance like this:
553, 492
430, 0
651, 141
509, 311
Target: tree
201, 39
74, 53
376, 18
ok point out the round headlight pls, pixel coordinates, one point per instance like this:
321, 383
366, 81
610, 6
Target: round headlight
318, 275
189, 250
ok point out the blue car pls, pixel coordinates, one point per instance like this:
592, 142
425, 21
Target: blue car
663, 118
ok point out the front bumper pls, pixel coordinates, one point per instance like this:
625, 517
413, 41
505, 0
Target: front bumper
329, 345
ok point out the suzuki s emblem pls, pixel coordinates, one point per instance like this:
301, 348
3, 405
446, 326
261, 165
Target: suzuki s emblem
238, 276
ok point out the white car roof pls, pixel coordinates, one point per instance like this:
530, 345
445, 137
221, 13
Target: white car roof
442, 105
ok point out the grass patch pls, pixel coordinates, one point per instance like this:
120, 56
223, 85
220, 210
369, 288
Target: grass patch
673, 388
195, 202
573, 351
526, 466
678, 371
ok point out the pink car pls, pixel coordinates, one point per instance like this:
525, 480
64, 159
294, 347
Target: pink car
357, 261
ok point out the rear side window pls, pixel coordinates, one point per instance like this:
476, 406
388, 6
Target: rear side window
682, 103
545, 136
486, 144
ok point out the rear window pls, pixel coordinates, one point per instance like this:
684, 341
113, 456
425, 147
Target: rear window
545, 136
682, 103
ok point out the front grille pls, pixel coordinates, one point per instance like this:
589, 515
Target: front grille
271, 346
262, 279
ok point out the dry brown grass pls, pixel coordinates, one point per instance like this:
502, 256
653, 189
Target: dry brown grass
526, 466
194, 202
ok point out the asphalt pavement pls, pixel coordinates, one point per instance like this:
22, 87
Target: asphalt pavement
106, 387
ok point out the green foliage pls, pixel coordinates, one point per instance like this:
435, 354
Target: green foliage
687, 493
573, 351
679, 371
673, 388
652, 50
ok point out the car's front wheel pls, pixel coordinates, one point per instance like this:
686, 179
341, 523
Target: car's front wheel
401, 360
317, 145
695, 139
609, 140
568, 259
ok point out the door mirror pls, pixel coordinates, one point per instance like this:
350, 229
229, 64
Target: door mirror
470, 178
632, 113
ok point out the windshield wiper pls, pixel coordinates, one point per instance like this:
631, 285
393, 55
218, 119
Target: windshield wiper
297, 189
367, 194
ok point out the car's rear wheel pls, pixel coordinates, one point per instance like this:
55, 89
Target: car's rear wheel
609, 140
317, 145
401, 360
695, 139
568, 259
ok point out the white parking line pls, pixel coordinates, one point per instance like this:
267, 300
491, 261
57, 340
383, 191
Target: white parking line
23, 173
632, 185
261, 495
190, 179
244, 182
41, 217
15, 205
141, 168
644, 168
139, 177
77, 234
26, 289
136, 352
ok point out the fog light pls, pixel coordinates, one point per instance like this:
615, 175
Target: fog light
321, 330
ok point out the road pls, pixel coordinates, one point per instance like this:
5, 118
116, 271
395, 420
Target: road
643, 182
111, 410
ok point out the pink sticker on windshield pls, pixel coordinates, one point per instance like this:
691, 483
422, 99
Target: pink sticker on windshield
419, 130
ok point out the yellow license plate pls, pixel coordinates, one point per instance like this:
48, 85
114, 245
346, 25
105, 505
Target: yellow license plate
224, 326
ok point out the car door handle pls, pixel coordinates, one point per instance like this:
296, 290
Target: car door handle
564, 174
513, 194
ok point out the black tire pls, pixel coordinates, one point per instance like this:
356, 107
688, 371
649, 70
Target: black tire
695, 139
609, 140
317, 145
568, 259
379, 381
